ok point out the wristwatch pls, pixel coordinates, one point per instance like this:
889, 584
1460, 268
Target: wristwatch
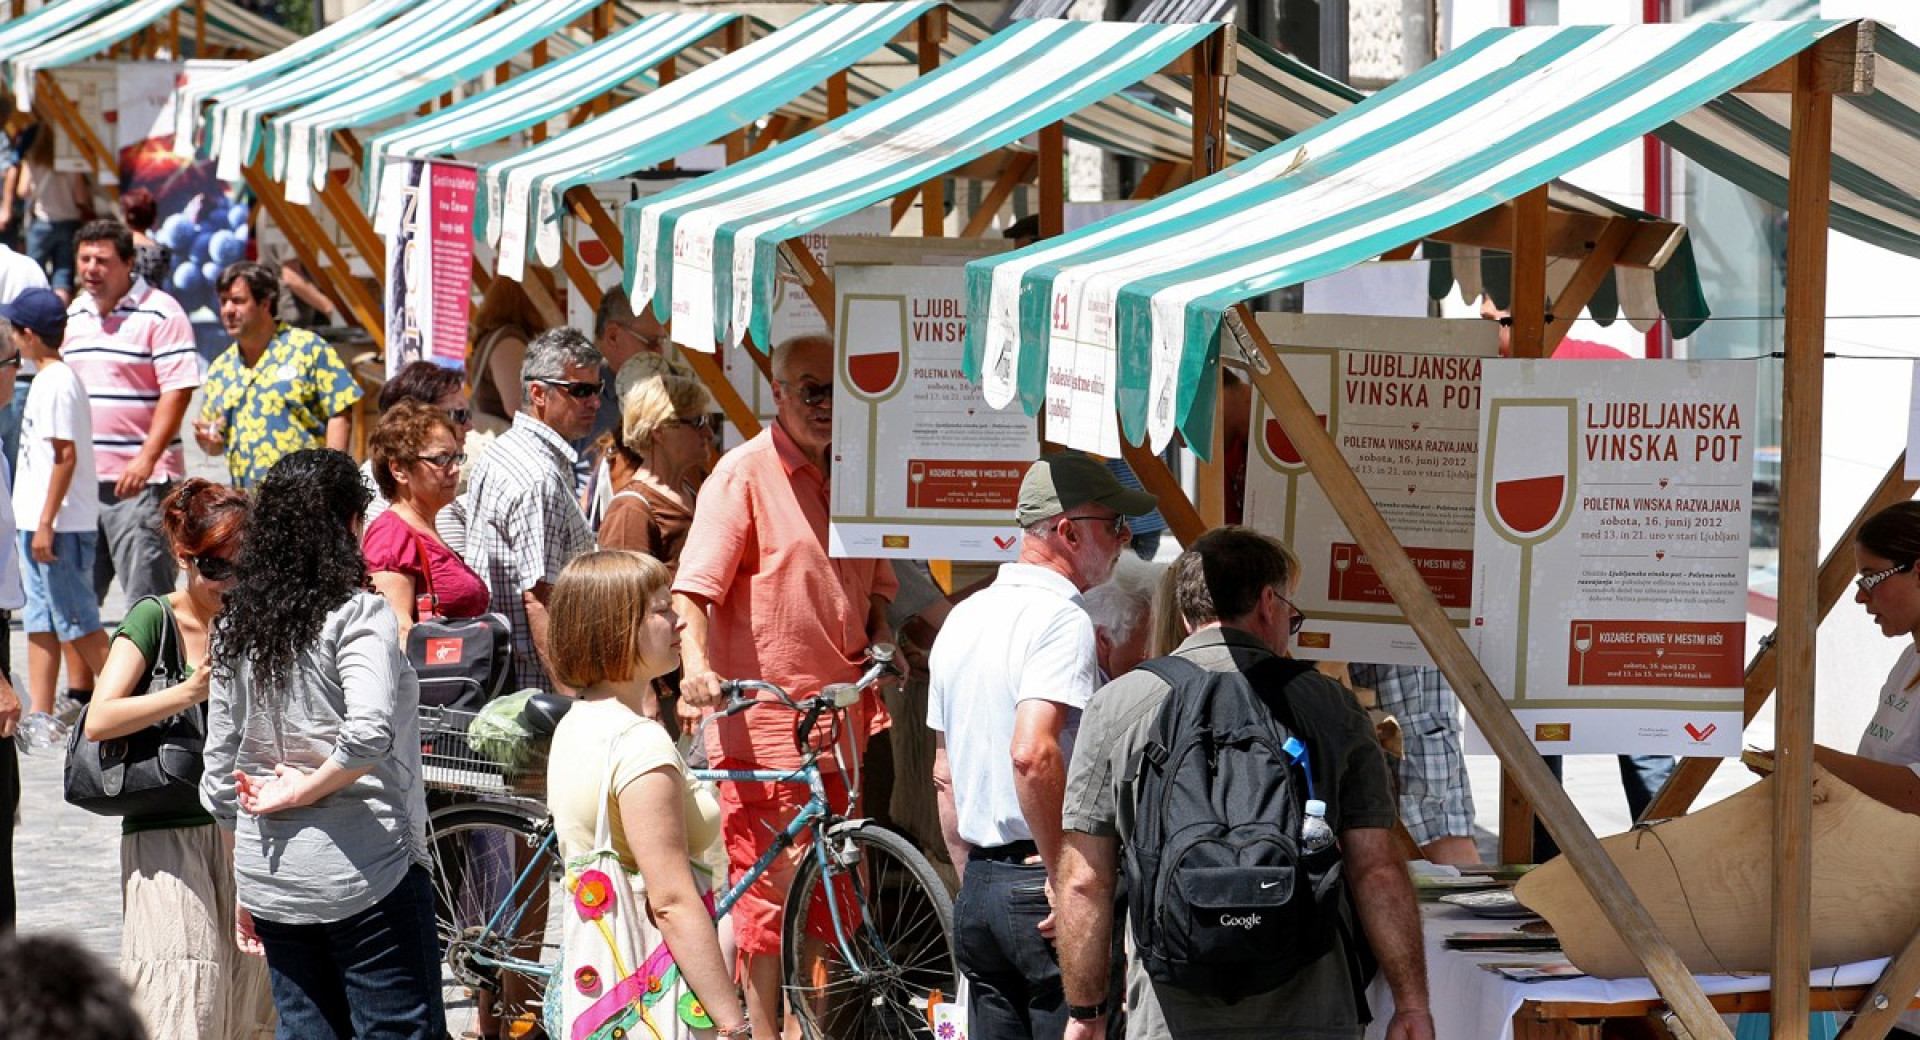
1086, 1012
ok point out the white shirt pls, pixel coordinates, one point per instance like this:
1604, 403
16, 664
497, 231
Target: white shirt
1025, 637
1893, 736
56, 410
18, 274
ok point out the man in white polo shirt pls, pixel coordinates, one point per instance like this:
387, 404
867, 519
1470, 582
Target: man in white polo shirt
1011, 669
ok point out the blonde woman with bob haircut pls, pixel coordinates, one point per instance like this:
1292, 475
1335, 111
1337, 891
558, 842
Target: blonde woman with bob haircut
613, 631
665, 447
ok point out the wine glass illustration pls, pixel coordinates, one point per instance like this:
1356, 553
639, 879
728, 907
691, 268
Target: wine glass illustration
1527, 486
873, 348
916, 476
1583, 642
1313, 373
1342, 562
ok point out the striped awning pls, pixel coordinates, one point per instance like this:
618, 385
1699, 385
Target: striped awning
230, 25
1129, 310
30, 30
304, 53
705, 251
299, 146
546, 92
234, 120
521, 199
79, 44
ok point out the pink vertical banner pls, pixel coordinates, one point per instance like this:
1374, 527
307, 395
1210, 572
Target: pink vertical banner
449, 213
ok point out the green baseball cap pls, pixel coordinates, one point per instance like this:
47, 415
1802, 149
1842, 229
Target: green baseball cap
1064, 479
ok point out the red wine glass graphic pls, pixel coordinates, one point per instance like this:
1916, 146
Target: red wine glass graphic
1527, 486
1313, 373
876, 345
1582, 643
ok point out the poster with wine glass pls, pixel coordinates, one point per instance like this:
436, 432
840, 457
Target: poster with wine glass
1401, 399
1610, 557
923, 468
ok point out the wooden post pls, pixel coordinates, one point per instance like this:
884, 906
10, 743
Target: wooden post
1888, 998
1181, 516
1053, 179
932, 29
199, 28
1156, 179
837, 95
1430, 622
1763, 672
173, 34
304, 233
814, 279
68, 116
1019, 166
1586, 278
1809, 167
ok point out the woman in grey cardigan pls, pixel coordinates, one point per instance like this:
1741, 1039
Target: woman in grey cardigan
313, 766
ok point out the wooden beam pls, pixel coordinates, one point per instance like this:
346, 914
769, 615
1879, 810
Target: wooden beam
1179, 513
1053, 179
1570, 235
1586, 278
1888, 997
813, 278
68, 115
199, 27
1430, 622
933, 194
837, 95
173, 33
304, 233
1529, 303
1842, 64
1155, 180
1837, 572
1809, 169
1012, 175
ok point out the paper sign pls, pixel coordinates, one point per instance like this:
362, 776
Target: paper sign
1611, 553
428, 226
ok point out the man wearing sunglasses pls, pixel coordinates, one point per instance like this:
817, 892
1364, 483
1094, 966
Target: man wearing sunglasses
762, 599
277, 389
523, 516
1014, 665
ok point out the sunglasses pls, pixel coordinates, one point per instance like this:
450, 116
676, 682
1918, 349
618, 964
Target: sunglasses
1114, 524
458, 458
813, 395
698, 422
1866, 583
213, 568
460, 416
577, 391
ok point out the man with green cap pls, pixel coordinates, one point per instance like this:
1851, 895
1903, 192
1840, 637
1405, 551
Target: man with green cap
1011, 670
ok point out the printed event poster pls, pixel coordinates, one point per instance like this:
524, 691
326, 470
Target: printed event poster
924, 468
1611, 554
1409, 425
429, 261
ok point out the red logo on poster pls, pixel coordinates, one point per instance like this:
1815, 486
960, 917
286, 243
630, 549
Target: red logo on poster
1005, 542
1702, 734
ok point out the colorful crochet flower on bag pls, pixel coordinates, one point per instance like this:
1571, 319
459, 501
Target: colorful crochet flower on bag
587, 980
593, 895
693, 1013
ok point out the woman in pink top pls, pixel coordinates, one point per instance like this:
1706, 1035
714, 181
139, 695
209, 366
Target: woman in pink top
416, 461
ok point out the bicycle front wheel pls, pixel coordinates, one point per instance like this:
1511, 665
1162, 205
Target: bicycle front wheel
867, 946
494, 870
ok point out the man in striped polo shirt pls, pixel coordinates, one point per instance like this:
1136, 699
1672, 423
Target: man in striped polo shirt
132, 347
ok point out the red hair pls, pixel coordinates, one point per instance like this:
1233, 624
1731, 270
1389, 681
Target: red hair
199, 516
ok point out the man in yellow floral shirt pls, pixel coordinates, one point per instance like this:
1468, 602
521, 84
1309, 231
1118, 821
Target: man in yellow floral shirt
277, 389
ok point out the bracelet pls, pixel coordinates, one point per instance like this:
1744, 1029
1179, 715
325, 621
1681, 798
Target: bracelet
744, 1029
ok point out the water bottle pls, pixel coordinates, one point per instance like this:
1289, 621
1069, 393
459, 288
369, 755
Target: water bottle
1315, 833
39, 731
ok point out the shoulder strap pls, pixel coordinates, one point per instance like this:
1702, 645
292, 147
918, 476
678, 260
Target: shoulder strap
1270, 679
168, 659
426, 570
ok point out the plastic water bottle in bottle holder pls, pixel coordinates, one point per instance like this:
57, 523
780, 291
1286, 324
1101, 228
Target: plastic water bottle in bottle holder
1315, 833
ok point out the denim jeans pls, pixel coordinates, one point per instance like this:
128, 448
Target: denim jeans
372, 976
1012, 968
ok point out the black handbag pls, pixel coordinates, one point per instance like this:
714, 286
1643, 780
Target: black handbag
462, 663
152, 772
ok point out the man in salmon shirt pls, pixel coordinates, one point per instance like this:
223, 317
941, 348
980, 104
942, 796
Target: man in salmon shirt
762, 600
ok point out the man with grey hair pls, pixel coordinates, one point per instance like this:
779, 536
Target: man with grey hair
762, 599
523, 519
1121, 608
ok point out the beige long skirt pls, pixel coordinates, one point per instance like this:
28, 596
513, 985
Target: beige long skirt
190, 982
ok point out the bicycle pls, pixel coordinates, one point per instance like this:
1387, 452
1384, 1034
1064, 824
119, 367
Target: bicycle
882, 961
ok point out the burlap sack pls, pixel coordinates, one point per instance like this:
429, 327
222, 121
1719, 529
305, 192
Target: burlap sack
1707, 880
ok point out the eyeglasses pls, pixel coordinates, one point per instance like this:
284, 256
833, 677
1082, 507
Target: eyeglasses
11, 360
460, 416
577, 391
813, 395
1115, 523
1866, 583
213, 568
652, 344
458, 458
1299, 619
698, 422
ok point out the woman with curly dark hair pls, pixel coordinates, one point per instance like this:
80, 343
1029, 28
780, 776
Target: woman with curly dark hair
313, 761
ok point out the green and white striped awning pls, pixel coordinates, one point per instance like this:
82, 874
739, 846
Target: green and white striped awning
79, 44
299, 147
304, 53
520, 202
705, 252
234, 121
1127, 313
34, 28
230, 25
544, 93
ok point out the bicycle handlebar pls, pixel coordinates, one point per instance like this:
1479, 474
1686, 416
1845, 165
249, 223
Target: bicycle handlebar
742, 694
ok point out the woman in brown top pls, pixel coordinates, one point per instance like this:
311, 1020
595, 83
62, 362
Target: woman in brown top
666, 438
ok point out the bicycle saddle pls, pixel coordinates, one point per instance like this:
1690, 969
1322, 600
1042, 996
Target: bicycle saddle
543, 713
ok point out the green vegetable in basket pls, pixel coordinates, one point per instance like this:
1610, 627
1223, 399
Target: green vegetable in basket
496, 732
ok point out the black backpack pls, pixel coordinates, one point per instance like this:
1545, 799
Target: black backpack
1222, 899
